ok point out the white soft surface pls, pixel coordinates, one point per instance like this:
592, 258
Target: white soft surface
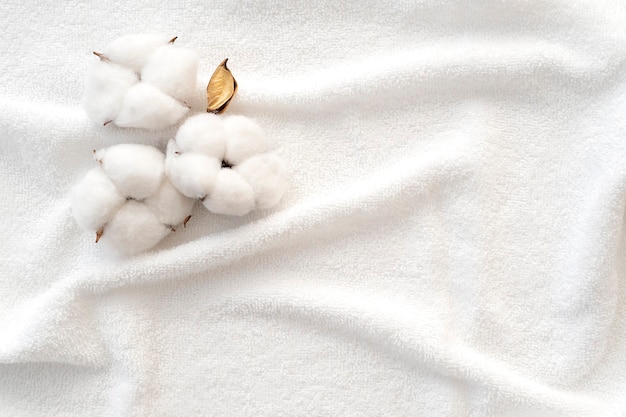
452, 242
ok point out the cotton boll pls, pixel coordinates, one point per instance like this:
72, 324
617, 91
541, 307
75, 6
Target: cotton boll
267, 175
105, 87
232, 195
251, 177
245, 139
141, 81
94, 200
134, 229
169, 205
147, 107
173, 70
193, 174
203, 133
132, 51
99, 201
136, 170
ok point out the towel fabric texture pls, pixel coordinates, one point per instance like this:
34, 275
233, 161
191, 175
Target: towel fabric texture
452, 242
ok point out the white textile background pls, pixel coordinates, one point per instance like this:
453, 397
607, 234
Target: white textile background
452, 243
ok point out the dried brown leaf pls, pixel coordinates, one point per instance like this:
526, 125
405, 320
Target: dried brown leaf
221, 89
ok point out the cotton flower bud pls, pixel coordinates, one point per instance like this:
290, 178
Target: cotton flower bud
141, 81
127, 200
227, 163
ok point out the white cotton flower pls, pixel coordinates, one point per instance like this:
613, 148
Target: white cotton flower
227, 163
231, 195
141, 81
266, 174
245, 139
127, 199
147, 107
136, 170
133, 51
169, 69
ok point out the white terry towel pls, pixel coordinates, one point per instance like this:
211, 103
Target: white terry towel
452, 243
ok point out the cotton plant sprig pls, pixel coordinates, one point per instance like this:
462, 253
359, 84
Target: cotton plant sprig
227, 163
136, 195
127, 200
141, 81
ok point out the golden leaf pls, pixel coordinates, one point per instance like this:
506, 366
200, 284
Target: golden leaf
221, 89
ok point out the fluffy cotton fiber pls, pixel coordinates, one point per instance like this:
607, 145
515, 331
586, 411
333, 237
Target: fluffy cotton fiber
128, 199
227, 163
140, 81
